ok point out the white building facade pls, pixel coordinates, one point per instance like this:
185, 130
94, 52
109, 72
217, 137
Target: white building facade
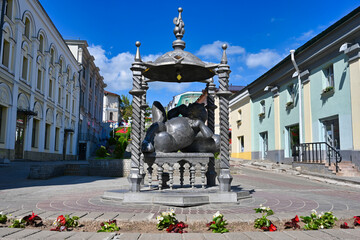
91, 131
39, 90
111, 108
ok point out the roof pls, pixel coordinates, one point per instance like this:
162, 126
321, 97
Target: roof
303, 48
110, 93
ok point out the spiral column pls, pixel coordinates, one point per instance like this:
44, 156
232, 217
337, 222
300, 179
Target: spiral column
223, 71
137, 92
143, 107
211, 173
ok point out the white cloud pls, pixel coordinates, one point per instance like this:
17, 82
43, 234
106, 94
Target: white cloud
214, 50
266, 58
116, 70
306, 36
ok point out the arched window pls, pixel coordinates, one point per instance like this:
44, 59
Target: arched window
41, 46
27, 28
61, 66
111, 116
52, 56
8, 8
6, 47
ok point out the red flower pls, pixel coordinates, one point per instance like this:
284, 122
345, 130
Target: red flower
345, 225
357, 220
272, 228
296, 218
61, 219
32, 216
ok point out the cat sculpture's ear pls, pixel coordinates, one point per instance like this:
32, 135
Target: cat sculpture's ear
158, 112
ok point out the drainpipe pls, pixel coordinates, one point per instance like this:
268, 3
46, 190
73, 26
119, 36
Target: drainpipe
292, 52
79, 125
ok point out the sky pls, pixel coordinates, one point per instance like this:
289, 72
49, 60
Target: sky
259, 33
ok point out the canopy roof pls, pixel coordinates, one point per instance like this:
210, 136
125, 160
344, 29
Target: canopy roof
179, 65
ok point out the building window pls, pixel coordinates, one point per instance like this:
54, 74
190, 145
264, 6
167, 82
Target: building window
241, 143
27, 28
61, 66
35, 133
67, 101
59, 96
8, 8
3, 114
262, 109
41, 46
50, 88
47, 136
329, 74
238, 121
39, 80
25, 68
111, 116
52, 54
73, 106
71, 143
57, 140
6, 53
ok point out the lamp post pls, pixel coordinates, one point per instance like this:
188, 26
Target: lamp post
297, 73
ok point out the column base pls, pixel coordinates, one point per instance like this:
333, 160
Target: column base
225, 180
135, 179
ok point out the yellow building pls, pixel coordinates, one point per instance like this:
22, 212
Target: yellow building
240, 120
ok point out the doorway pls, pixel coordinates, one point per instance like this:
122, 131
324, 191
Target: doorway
293, 140
20, 136
331, 132
264, 144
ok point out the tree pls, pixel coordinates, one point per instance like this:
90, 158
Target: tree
125, 107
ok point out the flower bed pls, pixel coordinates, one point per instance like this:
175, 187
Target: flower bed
294, 224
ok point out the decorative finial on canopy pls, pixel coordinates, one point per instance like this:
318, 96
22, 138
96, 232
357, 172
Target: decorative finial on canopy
137, 56
179, 31
224, 57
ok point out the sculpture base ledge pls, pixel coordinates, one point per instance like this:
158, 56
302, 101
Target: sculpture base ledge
181, 197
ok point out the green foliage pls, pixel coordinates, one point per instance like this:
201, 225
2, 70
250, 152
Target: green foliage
217, 155
125, 107
125, 132
71, 222
218, 224
17, 223
166, 219
109, 226
102, 152
112, 141
318, 221
263, 221
120, 147
3, 218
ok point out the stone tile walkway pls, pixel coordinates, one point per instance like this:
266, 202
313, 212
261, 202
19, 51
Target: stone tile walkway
286, 194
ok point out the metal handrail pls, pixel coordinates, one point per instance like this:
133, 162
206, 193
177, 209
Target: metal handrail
313, 152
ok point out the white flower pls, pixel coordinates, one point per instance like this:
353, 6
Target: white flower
314, 211
268, 208
261, 205
1, 213
55, 223
217, 214
159, 218
321, 226
172, 210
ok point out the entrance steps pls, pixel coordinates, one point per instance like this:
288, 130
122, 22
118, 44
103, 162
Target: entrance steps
346, 169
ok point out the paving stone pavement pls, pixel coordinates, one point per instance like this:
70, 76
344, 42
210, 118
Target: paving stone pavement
286, 194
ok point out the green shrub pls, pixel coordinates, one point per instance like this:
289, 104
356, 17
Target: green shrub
120, 147
112, 141
101, 152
